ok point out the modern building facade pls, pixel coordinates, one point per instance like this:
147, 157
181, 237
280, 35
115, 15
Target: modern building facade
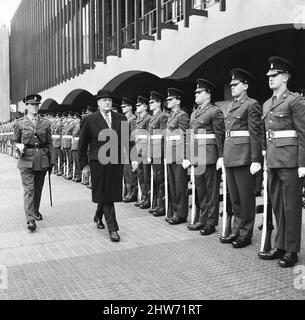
4, 75
133, 46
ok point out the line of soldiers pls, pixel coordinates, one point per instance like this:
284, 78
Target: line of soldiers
233, 139
6, 137
171, 146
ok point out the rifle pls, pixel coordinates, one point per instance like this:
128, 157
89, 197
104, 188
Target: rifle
193, 194
166, 188
267, 226
226, 220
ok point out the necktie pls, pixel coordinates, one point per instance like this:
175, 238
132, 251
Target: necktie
34, 121
107, 118
273, 100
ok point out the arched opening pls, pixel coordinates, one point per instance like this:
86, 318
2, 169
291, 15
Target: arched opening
249, 50
79, 99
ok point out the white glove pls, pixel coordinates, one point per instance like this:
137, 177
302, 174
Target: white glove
20, 147
301, 172
219, 164
264, 153
185, 163
255, 167
86, 170
149, 160
134, 165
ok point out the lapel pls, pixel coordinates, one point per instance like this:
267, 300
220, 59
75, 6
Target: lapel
240, 101
201, 111
29, 123
280, 100
155, 117
99, 120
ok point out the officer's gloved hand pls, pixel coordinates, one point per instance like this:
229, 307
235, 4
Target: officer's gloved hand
255, 167
219, 164
149, 160
185, 163
264, 153
134, 165
301, 172
50, 168
20, 147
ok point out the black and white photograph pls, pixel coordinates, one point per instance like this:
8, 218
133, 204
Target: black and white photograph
152, 154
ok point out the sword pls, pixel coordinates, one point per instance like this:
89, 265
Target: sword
50, 190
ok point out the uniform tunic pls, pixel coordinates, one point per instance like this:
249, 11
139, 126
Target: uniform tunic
284, 156
239, 153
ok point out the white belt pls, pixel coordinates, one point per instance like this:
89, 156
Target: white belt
156, 136
239, 133
142, 136
76, 138
67, 137
281, 134
204, 136
56, 136
170, 138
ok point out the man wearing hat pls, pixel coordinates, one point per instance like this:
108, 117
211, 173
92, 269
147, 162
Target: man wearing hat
33, 140
176, 127
141, 138
130, 176
284, 127
97, 130
207, 128
156, 126
242, 157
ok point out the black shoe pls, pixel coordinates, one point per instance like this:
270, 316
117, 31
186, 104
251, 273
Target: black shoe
138, 203
289, 260
229, 239
239, 243
207, 230
177, 220
32, 225
195, 227
38, 216
114, 236
100, 224
159, 213
167, 219
272, 254
145, 205
152, 210
130, 199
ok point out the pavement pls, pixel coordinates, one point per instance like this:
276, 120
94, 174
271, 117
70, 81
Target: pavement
68, 258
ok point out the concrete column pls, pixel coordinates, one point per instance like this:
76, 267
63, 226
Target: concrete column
4, 74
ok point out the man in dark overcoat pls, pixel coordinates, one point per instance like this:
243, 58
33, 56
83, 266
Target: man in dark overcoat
102, 132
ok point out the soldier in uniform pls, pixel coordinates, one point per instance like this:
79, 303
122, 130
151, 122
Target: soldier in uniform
33, 140
130, 176
176, 127
242, 156
157, 125
141, 137
207, 125
57, 135
284, 126
67, 143
74, 148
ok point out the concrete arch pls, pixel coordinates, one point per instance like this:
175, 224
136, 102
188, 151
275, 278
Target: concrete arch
192, 64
